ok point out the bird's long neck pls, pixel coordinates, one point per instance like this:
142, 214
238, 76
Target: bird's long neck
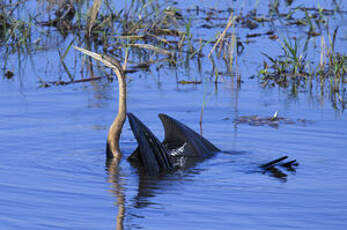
115, 130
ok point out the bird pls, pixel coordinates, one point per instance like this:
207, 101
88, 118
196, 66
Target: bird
154, 156
112, 143
181, 147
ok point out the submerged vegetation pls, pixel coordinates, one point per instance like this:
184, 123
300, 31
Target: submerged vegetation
273, 121
152, 35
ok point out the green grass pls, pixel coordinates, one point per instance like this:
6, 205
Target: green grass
158, 35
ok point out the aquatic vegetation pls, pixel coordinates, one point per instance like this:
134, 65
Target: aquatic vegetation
295, 69
289, 66
159, 36
14, 32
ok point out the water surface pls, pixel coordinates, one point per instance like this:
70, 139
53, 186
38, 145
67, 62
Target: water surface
54, 176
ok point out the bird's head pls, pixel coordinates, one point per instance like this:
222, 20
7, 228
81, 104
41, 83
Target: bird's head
106, 60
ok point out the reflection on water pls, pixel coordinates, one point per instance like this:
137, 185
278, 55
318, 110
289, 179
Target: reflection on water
114, 178
150, 186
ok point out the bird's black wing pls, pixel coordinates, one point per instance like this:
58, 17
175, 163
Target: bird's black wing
177, 135
150, 153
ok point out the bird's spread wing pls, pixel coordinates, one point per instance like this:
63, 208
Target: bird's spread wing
177, 135
151, 154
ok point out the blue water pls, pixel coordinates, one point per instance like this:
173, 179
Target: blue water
52, 143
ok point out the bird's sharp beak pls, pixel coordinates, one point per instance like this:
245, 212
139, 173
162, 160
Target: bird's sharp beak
96, 56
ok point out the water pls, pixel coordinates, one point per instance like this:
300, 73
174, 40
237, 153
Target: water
53, 173
53, 163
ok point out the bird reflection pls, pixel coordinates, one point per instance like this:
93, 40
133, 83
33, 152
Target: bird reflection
149, 186
114, 178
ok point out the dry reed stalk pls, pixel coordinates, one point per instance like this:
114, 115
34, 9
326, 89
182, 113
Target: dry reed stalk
126, 59
163, 40
221, 37
93, 13
141, 37
232, 50
322, 52
180, 43
131, 37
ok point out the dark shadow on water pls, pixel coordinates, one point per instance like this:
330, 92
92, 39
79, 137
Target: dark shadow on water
150, 186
